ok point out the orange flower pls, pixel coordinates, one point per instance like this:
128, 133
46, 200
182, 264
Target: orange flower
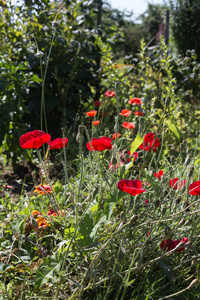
138, 113
91, 113
135, 101
36, 213
96, 122
128, 125
43, 189
125, 112
114, 135
43, 224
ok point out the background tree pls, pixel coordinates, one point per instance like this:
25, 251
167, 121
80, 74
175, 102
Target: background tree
185, 25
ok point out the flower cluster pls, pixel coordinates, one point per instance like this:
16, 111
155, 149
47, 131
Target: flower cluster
42, 222
177, 183
36, 138
150, 142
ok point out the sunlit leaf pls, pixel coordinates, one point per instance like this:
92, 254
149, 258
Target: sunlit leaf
136, 143
173, 128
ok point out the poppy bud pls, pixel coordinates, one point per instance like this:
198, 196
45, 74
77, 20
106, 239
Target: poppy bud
134, 218
114, 160
107, 154
191, 171
168, 231
138, 263
79, 137
157, 203
164, 208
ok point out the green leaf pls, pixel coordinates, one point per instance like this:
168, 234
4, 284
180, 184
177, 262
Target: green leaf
99, 219
110, 203
85, 229
136, 143
173, 128
47, 270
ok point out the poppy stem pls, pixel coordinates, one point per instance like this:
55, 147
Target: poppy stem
117, 117
52, 200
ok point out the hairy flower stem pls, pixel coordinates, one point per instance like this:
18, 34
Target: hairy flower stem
43, 77
52, 200
117, 117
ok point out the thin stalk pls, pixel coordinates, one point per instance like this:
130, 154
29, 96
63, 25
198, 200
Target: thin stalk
43, 109
53, 201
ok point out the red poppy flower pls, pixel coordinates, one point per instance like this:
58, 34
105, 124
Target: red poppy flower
91, 113
138, 113
176, 183
194, 188
109, 94
132, 187
128, 125
58, 143
34, 139
146, 202
114, 135
150, 142
96, 122
135, 155
100, 144
97, 103
125, 112
43, 189
171, 244
135, 101
159, 174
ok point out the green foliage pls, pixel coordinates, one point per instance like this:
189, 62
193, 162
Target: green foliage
185, 25
87, 239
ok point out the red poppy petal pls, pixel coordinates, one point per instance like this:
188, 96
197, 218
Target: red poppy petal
58, 143
34, 139
100, 144
194, 188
